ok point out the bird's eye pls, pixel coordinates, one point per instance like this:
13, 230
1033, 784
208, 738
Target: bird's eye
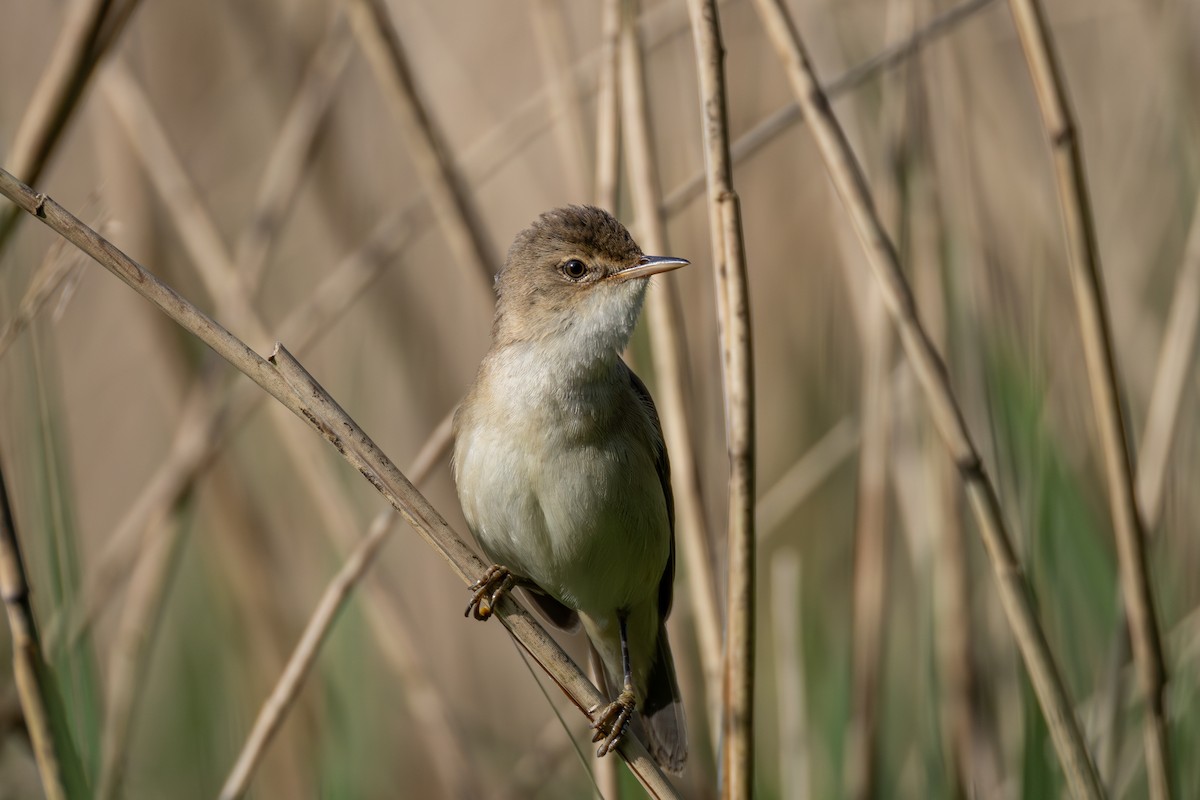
574, 269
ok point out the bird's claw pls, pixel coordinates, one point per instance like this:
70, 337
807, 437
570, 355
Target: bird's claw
488, 590
611, 721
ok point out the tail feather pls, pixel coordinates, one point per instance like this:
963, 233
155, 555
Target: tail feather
664, 729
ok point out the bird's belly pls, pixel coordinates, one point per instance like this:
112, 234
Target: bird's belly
585, 521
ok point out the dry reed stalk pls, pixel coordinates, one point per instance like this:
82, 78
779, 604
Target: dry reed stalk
789, 674
670, 366
548, 748
952, 193
292, 150
334, 599
1166, 396
529, 120
869, 590
90, 29
1175, 361
860, 768
950, 578
130, 656
802, 478
63, 82
851, 185
444, 187
1087, 282
608, 108
765, 132
313, 406
219, 274
50, 275
553, 43
31, 675
148, 581
733, 320
605, 772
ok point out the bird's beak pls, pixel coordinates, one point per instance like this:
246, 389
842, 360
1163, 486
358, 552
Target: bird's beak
650, 265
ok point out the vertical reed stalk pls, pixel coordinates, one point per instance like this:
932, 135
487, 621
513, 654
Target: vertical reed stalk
733, 318
670, 360
30, 673
554, 47
1087, 281
608, 108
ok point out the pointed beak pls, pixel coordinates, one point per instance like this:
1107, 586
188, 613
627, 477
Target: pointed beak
650, 265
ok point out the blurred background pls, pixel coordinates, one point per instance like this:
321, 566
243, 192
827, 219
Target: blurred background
265, 159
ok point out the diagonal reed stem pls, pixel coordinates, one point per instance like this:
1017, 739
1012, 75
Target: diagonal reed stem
851, 185
380, 42
314, 407
91, 28
334, 599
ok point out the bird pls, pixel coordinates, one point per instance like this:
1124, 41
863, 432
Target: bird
562, 471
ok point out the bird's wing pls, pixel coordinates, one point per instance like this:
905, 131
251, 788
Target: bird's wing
555, 612
662, 464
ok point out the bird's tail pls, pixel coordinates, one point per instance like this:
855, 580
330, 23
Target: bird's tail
660, 723
664, 729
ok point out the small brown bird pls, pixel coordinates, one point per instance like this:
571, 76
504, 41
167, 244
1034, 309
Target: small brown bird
561, 468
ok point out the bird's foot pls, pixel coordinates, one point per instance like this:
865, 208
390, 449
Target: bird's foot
490, 587
612, 720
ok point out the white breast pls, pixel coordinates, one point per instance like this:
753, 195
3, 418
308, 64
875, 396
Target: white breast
558, 484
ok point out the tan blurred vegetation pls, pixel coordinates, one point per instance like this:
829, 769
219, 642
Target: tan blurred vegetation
94, 390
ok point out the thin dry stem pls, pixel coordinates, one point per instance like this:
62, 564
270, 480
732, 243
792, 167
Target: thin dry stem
861, 767
670, 360
58, 263
1175, 362
292, 150
129, 661
1015, 595
91, 28
57, 94
30, 673
789, 675
950, 574
1087, 281
283, 696
608, 106
1166, 396
802, 478
605, 771
733, 318
554, 47
311, 405
444, 187
951, 194
861, 764
782, 120
190, 454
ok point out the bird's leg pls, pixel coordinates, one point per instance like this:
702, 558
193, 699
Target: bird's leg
490, 587
612, 720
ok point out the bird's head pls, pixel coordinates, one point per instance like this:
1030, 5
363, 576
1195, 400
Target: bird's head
575, 275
